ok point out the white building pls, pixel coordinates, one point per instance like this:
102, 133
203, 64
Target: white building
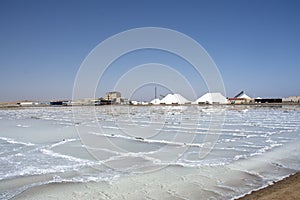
293, 99
28, 103
139, 103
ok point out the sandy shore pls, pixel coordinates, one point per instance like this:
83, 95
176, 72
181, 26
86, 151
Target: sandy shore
146, 186
287, 189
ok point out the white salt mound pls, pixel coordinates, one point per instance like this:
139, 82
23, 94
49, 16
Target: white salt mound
174, 99
155, 102
211, 98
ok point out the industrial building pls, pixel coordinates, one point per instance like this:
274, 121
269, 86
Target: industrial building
241, 98
291, 99
268, 100
112, 96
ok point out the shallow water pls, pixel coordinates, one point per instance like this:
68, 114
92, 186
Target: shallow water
212, 144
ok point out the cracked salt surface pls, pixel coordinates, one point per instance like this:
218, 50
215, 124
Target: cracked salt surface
137, 145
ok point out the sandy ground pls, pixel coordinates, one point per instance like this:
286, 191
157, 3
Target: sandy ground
162, 186
287, 189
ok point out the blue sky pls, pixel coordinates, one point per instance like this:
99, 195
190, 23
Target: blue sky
255, 44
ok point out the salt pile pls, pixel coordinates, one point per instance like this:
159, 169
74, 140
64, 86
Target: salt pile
155, 102
211, 98
174, 99
242, 95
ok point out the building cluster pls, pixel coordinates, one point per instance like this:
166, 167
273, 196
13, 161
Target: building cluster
115, 98
109, 99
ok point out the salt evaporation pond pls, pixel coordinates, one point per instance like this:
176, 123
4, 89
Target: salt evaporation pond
189, 152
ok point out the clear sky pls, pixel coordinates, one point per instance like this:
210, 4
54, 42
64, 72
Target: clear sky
255, 43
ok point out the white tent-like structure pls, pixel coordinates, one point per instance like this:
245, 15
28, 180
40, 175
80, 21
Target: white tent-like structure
174, 99
155, 102
244, 96
212, 98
